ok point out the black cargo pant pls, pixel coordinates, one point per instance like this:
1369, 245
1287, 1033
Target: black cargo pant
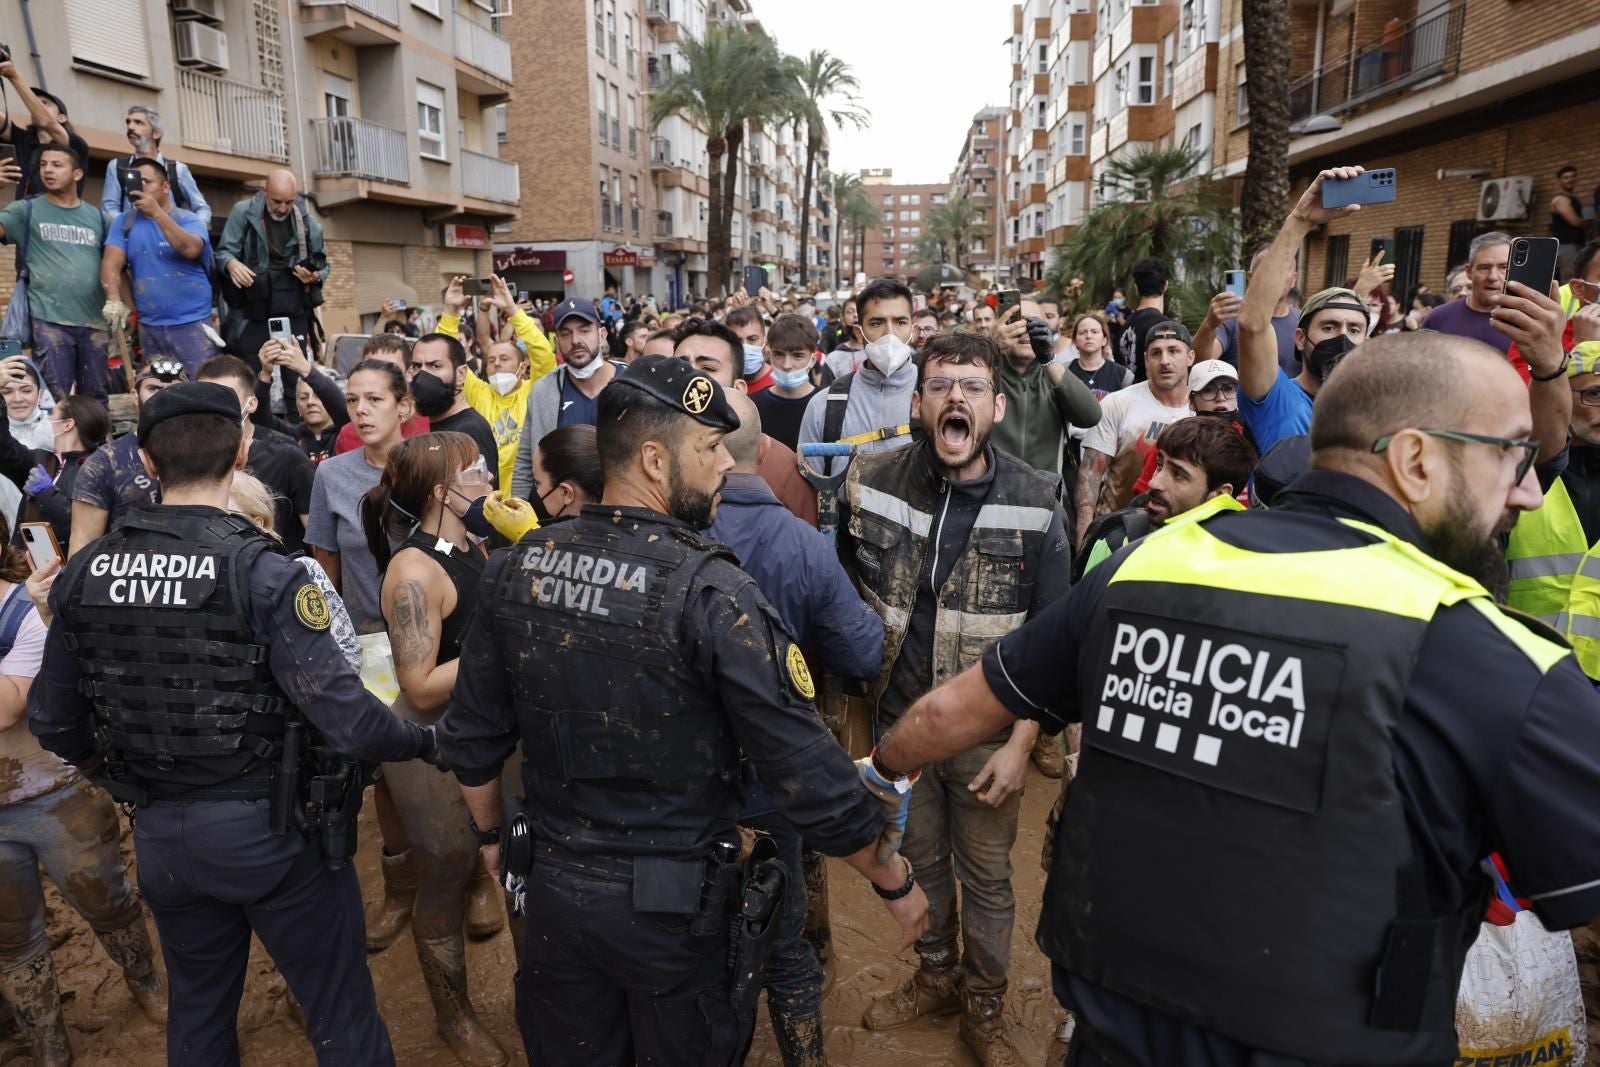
213, 873
602, 984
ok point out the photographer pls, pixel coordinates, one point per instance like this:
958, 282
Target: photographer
144, 134
49, 127
273, 262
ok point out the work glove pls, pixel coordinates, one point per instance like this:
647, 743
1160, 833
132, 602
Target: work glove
511, 517
116, 315
38, 481
896, 800
429, 753
1039, 340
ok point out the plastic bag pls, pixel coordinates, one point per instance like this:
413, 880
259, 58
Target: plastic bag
377, 667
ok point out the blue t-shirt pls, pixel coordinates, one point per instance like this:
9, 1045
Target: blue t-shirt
577, 409
1282, 325
168, 289
1284, 412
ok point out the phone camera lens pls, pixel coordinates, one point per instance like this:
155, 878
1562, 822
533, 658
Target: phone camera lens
1521, 257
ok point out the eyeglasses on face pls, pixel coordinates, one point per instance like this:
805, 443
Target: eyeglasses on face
1589, 397
1528, 445
975, 388
1218, 390
475, 474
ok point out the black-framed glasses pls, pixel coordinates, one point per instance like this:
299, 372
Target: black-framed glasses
1218, 391
1529, 445
1589, 398
977, 388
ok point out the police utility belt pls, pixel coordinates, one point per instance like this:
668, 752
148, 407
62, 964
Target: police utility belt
714, 890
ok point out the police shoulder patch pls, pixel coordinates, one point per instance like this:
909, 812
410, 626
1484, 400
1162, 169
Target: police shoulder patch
799, 673
311, 608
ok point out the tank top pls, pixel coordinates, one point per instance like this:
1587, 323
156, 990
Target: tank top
465, 570
1564, 231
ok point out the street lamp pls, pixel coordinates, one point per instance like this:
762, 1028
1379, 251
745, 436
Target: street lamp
1315, 124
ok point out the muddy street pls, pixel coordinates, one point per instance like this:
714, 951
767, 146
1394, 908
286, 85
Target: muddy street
107, 1028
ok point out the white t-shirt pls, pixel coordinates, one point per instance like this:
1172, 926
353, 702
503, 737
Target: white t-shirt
1130, 421
30, 770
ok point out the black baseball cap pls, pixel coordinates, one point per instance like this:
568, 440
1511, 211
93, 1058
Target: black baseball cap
188, 398
678, 385
1168, 328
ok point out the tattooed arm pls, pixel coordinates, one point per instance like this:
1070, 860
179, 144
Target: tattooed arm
1091, 474
415, 590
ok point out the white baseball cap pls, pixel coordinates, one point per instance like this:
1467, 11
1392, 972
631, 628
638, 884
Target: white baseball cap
1207, 371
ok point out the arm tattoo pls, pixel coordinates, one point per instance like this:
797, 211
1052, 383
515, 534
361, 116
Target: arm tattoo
1090, 474
410, 639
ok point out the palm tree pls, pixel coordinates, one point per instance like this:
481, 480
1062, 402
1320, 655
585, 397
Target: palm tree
824, 92
1156, 206
1266, 177
851, 204
955, 224
730, 76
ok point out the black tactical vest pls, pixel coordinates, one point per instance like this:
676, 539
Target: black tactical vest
1234, 850
157, 612
627, 752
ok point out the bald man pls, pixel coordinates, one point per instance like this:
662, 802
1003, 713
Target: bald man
799, 573
1321, 706
274, 261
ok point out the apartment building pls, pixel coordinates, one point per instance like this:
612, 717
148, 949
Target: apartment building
384, 109
1475, 103
888, 250
977, 177
1027, 142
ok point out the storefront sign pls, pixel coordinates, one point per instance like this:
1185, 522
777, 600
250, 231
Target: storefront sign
524, 257
621, 257
460, 235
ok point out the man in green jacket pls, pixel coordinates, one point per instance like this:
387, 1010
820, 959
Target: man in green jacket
1042, 399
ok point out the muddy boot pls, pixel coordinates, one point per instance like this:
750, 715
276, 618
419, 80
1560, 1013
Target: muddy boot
934, 990
983, 1030
393, 912
818, 930
130, 949
1048, 756
485, 917
444, 972
30, 986
799, 1039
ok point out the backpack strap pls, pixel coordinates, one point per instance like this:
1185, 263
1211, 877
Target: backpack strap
12, 612
833, 412
22, 245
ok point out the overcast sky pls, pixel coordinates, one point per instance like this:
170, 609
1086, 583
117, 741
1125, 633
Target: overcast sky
925, 67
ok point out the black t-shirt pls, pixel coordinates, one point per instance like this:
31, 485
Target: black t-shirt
282, 466
280, 234
26, 140
475, 426
1500, 757
1130, 348
1104, 379
781, 416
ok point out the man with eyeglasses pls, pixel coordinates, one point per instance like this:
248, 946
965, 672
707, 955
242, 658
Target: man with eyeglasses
953, 542
1320, 707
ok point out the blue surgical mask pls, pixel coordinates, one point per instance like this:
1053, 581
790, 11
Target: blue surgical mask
754, 356
791, 379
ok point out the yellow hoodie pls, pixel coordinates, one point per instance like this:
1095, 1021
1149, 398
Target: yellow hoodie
505, 413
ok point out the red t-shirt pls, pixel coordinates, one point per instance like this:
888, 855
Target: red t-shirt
760, 383
347, 441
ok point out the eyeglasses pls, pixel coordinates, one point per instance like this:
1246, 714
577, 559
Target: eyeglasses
476, 474
976, 388
1529, 445
1218, 390
1590, 397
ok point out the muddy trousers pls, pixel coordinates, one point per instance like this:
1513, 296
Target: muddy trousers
794, 977
212, 873
604, 985
952, 837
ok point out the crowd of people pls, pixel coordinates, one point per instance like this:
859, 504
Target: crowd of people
912, 511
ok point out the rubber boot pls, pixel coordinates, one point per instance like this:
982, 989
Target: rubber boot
444, 972
1048, 756
485, 916
393, 912
799, 1039
130, 949
935, 989
983, 1030
818, 929
30, 985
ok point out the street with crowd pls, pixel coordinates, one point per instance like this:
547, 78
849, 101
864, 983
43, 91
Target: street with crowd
632, 627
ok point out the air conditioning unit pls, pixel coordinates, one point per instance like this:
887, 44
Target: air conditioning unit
1505, 198
208, 10
201, 46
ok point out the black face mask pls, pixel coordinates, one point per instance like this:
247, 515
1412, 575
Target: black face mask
1326, 355
432, 394
541, 510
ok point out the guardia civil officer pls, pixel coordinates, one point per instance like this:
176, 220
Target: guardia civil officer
187, 662
1303, 729
635, 661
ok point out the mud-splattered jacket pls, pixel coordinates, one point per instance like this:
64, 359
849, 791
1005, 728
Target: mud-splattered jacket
999, 555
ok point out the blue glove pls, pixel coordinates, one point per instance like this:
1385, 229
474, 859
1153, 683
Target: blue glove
38, 481
895, 797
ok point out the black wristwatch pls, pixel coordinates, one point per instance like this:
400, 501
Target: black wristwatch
485, 837
896, 894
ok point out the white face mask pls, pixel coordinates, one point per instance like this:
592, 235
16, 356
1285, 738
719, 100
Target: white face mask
585, 372
888, 353
503, 382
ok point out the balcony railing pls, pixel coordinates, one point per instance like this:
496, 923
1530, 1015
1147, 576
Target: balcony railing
352, 147
387, 10
483, 48
1425, 47
488, 178
660, 152
633, 142
663, 224
658, 10
231, 117
605, 124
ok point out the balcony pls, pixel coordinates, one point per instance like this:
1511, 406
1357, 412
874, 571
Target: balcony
633, 142
356, 22
349, 147
229, 116
658, 12
481, 49
661, 153
487, 178
387, 10
1427, 46
604, 125
663, 224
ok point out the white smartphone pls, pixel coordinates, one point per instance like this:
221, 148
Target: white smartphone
278, 328
40, 539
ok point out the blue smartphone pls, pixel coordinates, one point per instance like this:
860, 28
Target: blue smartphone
1234, 283
1370, 187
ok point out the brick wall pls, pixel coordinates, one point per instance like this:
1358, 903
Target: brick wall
8, 273
339, 313
1498, 29
423, 271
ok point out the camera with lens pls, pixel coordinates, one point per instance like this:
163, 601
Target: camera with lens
315, 263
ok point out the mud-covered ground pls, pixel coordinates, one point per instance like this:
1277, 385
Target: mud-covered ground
107, 1028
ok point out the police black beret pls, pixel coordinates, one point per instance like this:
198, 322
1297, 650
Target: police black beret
188, 398
678, 385
1283, 463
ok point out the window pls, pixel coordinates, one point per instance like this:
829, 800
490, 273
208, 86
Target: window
1407, 262
430, 120
430, 6
1043, 116
1119, 85
914, 216
1338, 261
611, 30
1461, 235
1171, 54
337, 94
1016, 230
112, 37
605, 201
1044, 58
1038, 168
888, 216
1191, 140
599, 28
1145, 93
616, 118
627, 45
982, 128
600, 110
1241, 99
1077, 148
502, 120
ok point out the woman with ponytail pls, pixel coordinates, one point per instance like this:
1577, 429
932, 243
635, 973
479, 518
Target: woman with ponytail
424, 523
